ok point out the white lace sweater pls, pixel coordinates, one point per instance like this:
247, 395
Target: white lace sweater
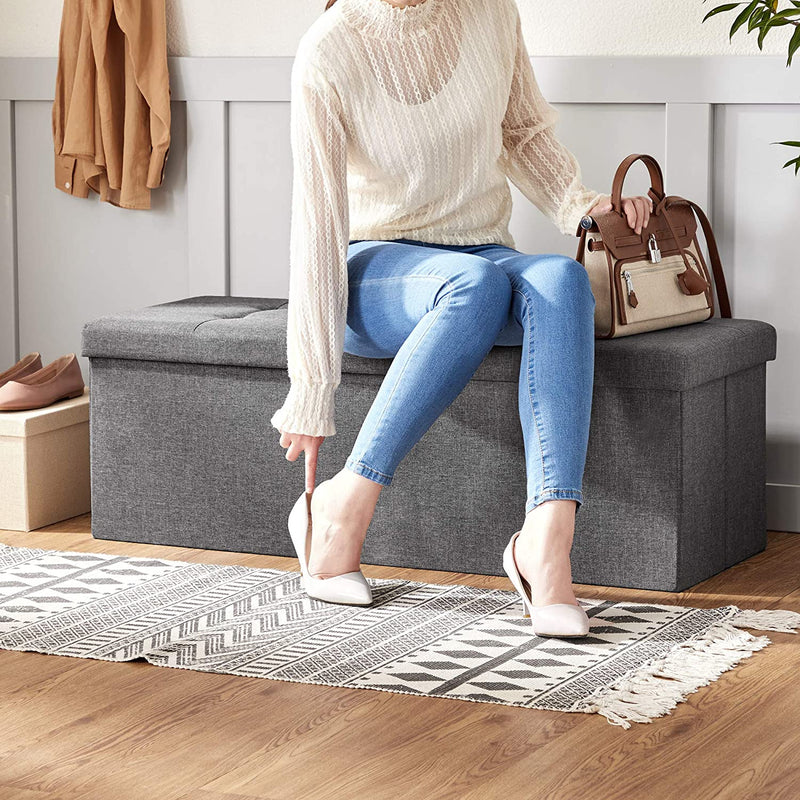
406, 122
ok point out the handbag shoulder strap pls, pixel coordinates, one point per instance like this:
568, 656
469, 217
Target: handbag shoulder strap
711, 242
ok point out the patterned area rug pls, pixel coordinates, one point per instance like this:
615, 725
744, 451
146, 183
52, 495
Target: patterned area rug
446, 641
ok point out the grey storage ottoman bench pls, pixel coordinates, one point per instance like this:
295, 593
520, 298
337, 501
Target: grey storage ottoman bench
183, 453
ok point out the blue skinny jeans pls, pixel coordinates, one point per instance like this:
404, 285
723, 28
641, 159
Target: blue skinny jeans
438, 310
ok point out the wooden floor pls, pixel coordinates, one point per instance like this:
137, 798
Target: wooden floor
78, 728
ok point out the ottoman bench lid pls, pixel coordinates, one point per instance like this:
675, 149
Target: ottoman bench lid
251, 332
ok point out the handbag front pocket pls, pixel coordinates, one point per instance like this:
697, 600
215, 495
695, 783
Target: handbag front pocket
649, 291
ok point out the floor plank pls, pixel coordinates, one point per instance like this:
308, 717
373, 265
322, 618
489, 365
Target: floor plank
80, 729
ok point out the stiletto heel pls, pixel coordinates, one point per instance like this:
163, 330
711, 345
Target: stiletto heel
562, 620
350, 588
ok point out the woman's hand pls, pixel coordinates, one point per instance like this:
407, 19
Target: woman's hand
637, 209
296, 444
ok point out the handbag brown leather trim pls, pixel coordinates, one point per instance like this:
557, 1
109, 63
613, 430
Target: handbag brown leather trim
614, 303
671, 232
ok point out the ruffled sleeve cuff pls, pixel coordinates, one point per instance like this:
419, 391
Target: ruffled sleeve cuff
308, 409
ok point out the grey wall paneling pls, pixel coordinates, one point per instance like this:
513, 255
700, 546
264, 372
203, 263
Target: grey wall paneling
220, 224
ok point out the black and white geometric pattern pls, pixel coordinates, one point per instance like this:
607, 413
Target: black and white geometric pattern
450, 641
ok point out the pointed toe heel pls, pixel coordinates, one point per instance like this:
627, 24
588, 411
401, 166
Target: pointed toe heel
561, 620
350, 588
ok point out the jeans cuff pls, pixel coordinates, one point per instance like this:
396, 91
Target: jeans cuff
360, 468
555, 494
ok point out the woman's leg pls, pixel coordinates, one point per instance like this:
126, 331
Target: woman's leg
437, 313
552, 317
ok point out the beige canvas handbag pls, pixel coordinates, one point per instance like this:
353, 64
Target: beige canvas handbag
656, 279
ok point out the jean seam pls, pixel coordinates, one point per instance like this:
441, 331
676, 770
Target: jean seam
574, 494
529, 371
352, 461
437, 311
556, 490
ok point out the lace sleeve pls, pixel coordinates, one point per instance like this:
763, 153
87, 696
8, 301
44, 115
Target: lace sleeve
543, 169
317, 309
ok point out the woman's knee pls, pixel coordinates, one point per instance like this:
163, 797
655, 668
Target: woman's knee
479, 282
561, 276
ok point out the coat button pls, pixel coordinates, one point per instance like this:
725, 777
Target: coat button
66, 185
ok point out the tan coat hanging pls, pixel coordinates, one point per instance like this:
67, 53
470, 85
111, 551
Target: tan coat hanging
111, 113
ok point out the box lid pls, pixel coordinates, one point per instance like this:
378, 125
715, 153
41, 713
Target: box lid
41, 420
251, 332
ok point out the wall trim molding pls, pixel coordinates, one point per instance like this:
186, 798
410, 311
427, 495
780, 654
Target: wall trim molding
207, 190
563, 79
9, 312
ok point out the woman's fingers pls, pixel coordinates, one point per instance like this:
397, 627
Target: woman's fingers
646, 205
640, 213
297, 443
312, 450
631, 213
637, 210
295, 448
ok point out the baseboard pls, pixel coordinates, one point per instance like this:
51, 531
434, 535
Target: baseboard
783, 507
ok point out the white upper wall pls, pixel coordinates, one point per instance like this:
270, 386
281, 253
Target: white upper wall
566, 27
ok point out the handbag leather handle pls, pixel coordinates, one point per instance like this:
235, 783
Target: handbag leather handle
656, 178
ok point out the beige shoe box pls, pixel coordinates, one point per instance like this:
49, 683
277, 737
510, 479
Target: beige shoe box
44, 464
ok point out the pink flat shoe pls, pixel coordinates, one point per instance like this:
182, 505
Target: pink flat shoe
562, 620
59, 380
25, 366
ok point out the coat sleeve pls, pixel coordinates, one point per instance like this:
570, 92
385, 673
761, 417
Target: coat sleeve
319, 238
543, 169
144, 24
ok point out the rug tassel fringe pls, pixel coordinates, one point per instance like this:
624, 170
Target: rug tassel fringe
657, 687
768, 620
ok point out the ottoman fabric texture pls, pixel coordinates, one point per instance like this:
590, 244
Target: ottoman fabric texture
182, 451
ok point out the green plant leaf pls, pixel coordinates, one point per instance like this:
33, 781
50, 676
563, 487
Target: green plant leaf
770, 23
720, 9
763, 28
755, 19
790, 144
794, 43
742, 18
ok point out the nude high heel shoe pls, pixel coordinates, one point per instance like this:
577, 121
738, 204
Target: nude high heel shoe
562, 620
350, 588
